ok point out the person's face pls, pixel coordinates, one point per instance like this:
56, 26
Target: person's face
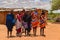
9, 13
29, 12
12, 11
18, 12
23, 11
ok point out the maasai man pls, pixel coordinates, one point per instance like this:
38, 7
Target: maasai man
25, 23
9, 23
29, 22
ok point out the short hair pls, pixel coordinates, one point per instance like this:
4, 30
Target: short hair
43, 12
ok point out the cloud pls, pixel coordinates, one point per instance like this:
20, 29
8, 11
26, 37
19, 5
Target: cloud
25, 3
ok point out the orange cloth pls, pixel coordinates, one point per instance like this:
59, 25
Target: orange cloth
43, 25
35, 24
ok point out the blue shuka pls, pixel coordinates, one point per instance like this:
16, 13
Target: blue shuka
9, 21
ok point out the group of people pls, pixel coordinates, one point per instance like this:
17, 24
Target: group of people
24, 22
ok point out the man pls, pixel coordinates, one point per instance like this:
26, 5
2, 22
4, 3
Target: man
9, 23
27, 21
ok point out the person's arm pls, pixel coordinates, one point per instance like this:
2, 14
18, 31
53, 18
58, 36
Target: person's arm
6, 20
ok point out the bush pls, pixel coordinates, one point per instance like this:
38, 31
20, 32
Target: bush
55, 17
58, 19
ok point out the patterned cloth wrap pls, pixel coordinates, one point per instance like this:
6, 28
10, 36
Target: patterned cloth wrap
35, 23
25, 24
42, 22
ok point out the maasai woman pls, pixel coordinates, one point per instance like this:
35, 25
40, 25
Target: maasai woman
18, 24
42, 23
34, 23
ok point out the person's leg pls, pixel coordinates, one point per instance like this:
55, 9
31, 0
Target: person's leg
10, 33
10, 29
7, 33
34, 31
25, 31
43, 32
29, 31
16, 32
20, 33
40, 31
29, 28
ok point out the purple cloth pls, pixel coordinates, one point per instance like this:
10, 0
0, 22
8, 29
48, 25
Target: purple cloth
25, 25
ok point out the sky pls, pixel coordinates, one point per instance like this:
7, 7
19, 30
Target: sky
44, 4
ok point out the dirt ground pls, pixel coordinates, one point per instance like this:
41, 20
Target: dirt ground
52, 32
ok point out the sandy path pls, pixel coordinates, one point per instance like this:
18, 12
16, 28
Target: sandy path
52, 32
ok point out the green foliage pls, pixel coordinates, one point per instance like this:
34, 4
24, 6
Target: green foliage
55, 4
53, 17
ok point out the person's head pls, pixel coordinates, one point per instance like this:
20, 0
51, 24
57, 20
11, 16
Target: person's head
26, 12
29, 12
11, 11
19, 12
35, 10
23, 10
43, 12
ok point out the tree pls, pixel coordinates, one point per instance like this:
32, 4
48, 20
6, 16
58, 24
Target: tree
55, 4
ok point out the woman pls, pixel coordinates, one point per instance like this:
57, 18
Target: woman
18, 24
9, 23
34, 23
42, 23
